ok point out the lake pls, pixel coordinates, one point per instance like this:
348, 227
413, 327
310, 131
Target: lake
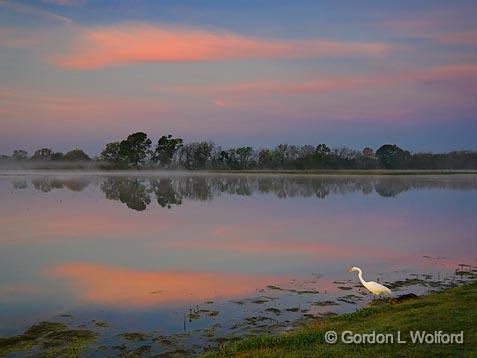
189, 261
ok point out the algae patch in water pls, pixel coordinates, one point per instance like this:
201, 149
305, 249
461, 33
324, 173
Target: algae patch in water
100, 324
50, 338
273, 310
134, 336
325, 303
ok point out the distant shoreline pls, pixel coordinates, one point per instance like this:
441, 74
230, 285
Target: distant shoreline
4, 172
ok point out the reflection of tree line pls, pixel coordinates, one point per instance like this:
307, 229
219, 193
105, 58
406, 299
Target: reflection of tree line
46, 184
138, 192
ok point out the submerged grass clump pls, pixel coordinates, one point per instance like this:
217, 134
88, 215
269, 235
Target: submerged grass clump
324, 303
134, 336
51, 339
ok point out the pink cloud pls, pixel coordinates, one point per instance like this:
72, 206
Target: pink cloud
457, 38
138, 43
34, 11
71, 111
450, 27
327, 84
65, 2
11, 37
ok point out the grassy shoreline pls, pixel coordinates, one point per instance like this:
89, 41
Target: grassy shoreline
451, 311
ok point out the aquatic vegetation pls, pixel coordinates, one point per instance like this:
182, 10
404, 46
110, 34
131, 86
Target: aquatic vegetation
293, 309
100, 324
273, 310
324, 303
193, 316
124, 351
259, 301
349, 299
213, 313
50, 338
134, 336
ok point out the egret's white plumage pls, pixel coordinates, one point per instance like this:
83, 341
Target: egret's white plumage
373, 287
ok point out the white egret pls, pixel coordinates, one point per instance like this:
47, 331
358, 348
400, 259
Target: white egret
373, 287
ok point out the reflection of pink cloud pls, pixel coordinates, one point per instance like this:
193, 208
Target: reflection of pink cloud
316, 250
61, 222
12, 290
94, 225
136, 43
278, 238
129, 287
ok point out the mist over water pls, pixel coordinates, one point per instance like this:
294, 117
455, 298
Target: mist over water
208, 256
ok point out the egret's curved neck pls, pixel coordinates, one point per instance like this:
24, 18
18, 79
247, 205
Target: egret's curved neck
360, 275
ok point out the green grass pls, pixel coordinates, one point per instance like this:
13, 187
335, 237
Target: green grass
450, 311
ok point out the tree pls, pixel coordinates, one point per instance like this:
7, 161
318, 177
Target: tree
42, 154
57, 156
110, 153
76, 155
201, 154
322, 152
390, 155
265, 158
368, 152
195, 155
230, 158
166, 148
135, 148
244, 154
322, 149
19, 154
367, 159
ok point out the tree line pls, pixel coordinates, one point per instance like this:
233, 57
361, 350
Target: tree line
137, 151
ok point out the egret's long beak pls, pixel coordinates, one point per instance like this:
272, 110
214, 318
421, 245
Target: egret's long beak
349, 270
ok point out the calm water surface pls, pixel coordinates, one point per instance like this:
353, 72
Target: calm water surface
195, 260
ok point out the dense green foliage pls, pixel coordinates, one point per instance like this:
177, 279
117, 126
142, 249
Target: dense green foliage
136, 151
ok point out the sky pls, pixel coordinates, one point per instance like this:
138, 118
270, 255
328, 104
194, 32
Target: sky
82, 73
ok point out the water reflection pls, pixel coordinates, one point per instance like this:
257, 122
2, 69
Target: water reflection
137, 192
47, 184
130, 191
249, 254
122, 286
